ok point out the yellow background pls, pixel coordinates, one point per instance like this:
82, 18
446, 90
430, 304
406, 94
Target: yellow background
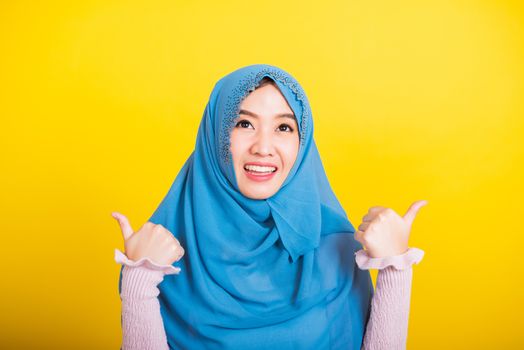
100, 103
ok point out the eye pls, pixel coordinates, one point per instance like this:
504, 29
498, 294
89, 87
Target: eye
285, 127
243, 124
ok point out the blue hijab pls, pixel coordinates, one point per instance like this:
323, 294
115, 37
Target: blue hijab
259, 274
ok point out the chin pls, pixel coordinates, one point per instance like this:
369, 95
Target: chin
257, 195
264, 194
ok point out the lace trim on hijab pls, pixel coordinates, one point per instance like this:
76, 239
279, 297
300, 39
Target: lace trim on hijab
246, 86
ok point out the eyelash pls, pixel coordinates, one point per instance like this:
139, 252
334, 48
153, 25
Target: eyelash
290, 129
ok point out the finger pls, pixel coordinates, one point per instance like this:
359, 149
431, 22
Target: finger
125, 226
358, 236
181, 253
413, 210
363, 226
373, 212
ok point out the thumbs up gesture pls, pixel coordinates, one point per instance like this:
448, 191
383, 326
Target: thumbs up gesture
384, 233
151, 241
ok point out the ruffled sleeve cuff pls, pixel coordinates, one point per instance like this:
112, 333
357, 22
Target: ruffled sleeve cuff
399, 262
121, 258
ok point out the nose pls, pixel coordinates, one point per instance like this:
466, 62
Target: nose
263, 144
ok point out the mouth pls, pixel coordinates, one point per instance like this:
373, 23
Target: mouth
260, 172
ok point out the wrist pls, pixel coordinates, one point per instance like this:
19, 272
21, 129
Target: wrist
400, 262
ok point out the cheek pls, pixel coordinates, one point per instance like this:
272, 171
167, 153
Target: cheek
237, 146
290, 151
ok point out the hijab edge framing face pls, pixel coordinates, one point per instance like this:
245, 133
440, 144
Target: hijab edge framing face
231, 91
264, 141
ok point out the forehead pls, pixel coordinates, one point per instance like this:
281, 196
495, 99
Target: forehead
267, 102
266, 99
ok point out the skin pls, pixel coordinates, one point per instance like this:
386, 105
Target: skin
151, 241
384, 233
263, 134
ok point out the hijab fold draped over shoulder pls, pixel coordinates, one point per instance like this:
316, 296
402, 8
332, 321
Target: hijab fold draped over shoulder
257, 274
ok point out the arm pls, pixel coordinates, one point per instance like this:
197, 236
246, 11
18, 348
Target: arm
387, 327
142, 325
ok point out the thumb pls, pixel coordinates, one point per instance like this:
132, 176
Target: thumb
125, 226
413, 210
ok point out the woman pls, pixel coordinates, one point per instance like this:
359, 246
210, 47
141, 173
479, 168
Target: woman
269, 256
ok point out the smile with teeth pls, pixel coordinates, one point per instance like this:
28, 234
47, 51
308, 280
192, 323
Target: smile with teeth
260, 169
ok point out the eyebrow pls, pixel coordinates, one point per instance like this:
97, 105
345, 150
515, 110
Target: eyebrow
280, 115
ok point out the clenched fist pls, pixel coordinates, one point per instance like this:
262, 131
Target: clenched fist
151, 241
384, 233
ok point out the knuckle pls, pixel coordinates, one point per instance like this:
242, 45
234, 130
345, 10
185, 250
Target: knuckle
168, 239
173, 246
177, 252
160, 231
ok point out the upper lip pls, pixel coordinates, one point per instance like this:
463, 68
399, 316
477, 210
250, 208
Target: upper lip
261, 164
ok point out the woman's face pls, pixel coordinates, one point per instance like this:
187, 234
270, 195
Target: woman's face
264, 142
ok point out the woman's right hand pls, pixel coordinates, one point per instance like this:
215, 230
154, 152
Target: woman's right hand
151, 241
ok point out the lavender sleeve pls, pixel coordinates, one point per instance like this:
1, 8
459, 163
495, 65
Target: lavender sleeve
143, 328
142, 325
387, 327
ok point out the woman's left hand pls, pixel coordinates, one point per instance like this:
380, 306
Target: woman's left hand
384, 233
